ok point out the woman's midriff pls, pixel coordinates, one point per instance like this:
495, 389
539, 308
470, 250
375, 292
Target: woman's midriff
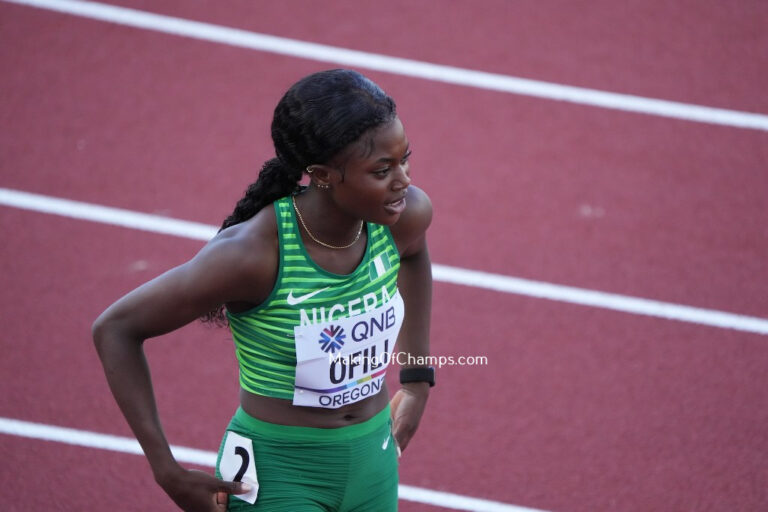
283, 412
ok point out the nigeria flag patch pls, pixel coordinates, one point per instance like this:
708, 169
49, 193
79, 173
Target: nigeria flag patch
379, 266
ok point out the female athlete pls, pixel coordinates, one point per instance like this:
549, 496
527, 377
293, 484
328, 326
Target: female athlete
316, 283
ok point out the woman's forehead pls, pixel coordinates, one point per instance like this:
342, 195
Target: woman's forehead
379, 141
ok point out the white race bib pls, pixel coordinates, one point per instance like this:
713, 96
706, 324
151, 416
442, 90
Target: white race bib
343, 361
237, 464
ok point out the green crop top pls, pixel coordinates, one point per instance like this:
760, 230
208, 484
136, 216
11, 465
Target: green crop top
321, 339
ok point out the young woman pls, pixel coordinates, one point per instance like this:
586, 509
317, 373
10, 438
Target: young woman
316, 283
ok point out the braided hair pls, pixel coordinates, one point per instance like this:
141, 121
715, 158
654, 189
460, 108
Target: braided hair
314, 121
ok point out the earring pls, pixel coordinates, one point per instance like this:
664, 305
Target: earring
309, 171
324, 187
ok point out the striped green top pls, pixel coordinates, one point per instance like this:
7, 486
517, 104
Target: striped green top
306, 294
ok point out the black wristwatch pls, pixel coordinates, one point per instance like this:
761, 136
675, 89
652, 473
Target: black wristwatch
420, 374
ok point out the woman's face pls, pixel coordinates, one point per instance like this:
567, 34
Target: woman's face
374, 176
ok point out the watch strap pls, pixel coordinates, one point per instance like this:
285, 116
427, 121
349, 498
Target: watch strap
418, 374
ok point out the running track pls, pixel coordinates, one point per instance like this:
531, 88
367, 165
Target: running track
581, 407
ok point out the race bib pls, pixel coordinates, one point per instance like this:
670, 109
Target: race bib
343, 361
237, 464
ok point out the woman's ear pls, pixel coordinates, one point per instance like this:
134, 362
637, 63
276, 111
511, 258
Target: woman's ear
320, 175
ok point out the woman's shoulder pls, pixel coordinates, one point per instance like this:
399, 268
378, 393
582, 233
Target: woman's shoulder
414, 221
247, 251
259, 229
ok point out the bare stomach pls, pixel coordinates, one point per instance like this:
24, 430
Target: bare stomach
283, 412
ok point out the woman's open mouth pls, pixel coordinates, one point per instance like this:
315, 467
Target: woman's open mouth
395, 207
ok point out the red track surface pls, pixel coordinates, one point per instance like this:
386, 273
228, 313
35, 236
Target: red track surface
579, 409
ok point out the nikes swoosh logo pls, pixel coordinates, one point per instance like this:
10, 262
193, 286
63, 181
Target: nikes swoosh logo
293, 301
386, 443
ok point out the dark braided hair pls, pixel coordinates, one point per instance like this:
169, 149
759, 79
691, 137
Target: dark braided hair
317, 117
314, 121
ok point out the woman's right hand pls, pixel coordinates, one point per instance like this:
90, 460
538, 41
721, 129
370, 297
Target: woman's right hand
197, 491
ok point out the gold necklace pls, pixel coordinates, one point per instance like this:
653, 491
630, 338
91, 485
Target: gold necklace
301, 219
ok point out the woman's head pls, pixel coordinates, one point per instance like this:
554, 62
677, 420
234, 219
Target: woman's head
317, 118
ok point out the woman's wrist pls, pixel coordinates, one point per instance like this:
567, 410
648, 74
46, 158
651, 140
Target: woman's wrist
167, 472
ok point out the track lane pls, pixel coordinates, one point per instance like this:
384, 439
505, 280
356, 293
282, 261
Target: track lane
686, 51
54, 476
441, 273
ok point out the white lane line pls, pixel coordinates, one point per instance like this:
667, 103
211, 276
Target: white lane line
443, 273
106, 215
598, 299
186, 455
400, 66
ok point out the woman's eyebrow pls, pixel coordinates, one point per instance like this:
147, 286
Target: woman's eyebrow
386, 159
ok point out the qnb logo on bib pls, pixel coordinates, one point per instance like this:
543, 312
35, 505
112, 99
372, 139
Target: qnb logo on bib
332, 339
345, 361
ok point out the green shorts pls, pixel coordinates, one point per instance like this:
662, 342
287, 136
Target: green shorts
298, 469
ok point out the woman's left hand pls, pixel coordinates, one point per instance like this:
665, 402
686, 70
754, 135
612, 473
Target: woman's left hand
407, 406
